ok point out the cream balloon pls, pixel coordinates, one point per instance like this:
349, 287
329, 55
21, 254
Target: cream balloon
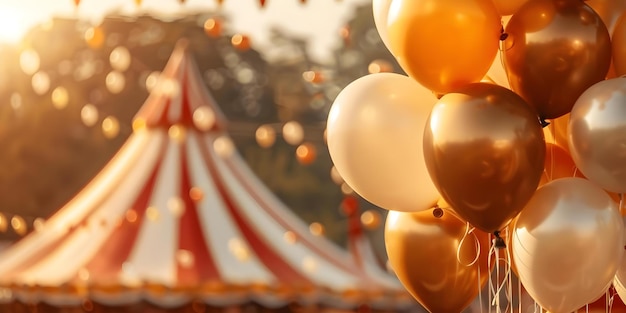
597, 134
619, 282
374, 131
497, 74
568, 244
380, 8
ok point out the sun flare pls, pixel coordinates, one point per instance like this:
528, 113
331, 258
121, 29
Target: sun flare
12, 25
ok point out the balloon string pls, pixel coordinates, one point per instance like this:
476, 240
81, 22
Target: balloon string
611, 299
491, 250
468, 230
497, 295
480, 292
503, 34
519, 296
500, 285
509, 276
621, 202
552, 157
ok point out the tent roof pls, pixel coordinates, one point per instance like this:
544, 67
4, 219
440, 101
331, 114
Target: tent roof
177, 216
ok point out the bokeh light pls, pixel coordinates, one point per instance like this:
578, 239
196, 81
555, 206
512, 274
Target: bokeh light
29, 61
265, 136
293, 133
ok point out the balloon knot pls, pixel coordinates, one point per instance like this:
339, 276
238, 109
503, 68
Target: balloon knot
544, 123
504, 36
499, 242
437, 212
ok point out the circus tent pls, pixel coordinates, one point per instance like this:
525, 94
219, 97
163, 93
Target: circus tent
177, 216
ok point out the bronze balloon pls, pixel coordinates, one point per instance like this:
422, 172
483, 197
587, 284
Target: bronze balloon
422, 250
609, 10
597, 134
554, 51
619, 47
484, 150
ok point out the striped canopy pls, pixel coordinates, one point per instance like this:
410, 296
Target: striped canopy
177, 216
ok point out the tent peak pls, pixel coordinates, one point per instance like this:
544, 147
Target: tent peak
179, 97
182, 45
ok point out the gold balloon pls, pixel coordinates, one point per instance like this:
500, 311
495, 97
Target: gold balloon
597, 131
422, 250
508, 7
558, 164
444, 44
497, 74
555, 50
609, 10
558, 129
484, 149
619, 47
567, 244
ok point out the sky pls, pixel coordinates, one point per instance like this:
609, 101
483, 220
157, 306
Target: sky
319, 20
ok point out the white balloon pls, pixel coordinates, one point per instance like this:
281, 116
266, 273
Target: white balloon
619, 282
567, 244
375, 129
380, 9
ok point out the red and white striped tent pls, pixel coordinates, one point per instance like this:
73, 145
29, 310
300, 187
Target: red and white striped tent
177, 217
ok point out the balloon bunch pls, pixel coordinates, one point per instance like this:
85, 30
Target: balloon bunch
457, 149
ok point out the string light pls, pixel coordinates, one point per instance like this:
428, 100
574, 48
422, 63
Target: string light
241, 42
89, 115
19, 225
29, 61
213, 27
115, 82
120, 59
265, 136
110, 127
60, 97
40, 83
316, 229
293, 133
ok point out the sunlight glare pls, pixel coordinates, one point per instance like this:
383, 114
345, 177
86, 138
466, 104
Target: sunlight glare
12, 25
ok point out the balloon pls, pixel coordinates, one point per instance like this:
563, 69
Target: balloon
567, 244
597, 139
558, 129
554, 51
609, 10
497, 74
484, 149
374, 131
422, 251
508, 7
619, 281
558, 164
508, 239
444, 44
380, 9
619, 47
